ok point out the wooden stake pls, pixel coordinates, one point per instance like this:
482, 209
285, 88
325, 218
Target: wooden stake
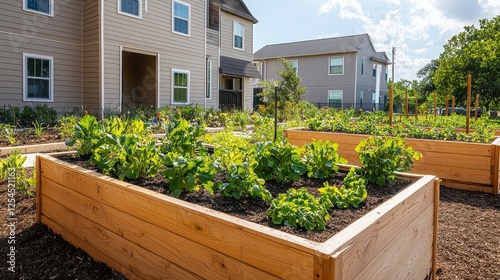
446, 107
390, 106
452, 104
469, 92
416, 108
406, 103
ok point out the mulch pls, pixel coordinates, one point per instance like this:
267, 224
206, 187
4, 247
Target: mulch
468, 241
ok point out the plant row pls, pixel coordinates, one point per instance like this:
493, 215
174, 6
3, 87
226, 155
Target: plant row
124, 149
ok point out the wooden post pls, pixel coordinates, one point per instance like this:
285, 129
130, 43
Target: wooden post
391, 109
435, 105
416, 108
446, 107
435, 231
406, 103
452, 104
469, 92
476, 107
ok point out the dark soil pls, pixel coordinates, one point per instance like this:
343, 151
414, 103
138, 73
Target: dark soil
468, 241
29, 137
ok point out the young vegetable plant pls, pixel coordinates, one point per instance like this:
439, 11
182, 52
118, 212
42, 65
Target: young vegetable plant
243, 182
299, 208
350, 194
184, 138
12, 167
279, 161
88, 133
321, 159
382, 157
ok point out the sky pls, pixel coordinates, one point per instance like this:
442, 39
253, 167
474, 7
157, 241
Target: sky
417, 29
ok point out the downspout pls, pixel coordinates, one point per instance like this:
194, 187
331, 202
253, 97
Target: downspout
101, 57
206, 60
356, 81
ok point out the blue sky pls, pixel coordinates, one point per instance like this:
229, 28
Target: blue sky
417, 28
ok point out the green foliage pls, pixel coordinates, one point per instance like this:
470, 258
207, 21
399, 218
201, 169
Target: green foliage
12, 169
298, 208
127, 156
38, 128
238, 120
382, 157
321, 159
278, 161
67, 125
9, 132
88, 133
350, 194
243, 182
183, 138
189, 174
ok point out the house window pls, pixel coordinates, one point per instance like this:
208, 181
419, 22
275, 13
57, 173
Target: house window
180, 86
130, 7
335, 98
181, 17
38, 78
295, 66
238, 33
336, 66
363, 66
40, 6
209, 79
386, 74
374, 71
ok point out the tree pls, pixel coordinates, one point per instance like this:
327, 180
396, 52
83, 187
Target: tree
474, 52
289, 90
426, 84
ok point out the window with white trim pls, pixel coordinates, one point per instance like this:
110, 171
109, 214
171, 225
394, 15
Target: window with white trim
181, 17
130, 7
386, 73
180, 86
295, 66
209, 79
38, 78
336, 66
39, 6
335, 98
374, 71
238, 35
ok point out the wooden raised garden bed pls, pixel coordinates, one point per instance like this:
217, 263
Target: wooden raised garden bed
148, 235
462, 165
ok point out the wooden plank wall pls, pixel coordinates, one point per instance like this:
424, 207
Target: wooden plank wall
471, 166
147, 235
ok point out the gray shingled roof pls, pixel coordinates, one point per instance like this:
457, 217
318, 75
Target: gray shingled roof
238, 67
238, 8
314, 47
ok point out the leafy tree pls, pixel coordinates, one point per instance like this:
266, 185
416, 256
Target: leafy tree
289, 90
475, 51
426, 85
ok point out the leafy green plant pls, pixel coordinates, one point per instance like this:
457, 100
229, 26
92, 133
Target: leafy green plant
9, 132
12, 169
38, 128
67, 125
184, 138
243, 182
88, 133
189, 174
321, 159
382, 157
350, 194
278, 161
127, 156
299, 208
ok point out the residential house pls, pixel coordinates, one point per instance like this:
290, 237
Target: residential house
112, 55
337, 72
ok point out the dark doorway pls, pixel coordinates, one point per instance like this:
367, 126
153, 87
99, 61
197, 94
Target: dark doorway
139, 80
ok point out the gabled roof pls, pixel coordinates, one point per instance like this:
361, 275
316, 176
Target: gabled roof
343, 44
237, 67
237, 7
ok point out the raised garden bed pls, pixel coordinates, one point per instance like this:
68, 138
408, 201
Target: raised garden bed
145, 234
462, 165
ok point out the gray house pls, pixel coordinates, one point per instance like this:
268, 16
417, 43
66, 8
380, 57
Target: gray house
338, 72
109, 55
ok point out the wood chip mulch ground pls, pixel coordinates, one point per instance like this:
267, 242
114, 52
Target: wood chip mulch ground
468, 247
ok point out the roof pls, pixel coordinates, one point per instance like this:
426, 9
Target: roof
238, 7
343, 44
238, 67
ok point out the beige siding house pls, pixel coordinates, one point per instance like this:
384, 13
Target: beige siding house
337, 72
113, 55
